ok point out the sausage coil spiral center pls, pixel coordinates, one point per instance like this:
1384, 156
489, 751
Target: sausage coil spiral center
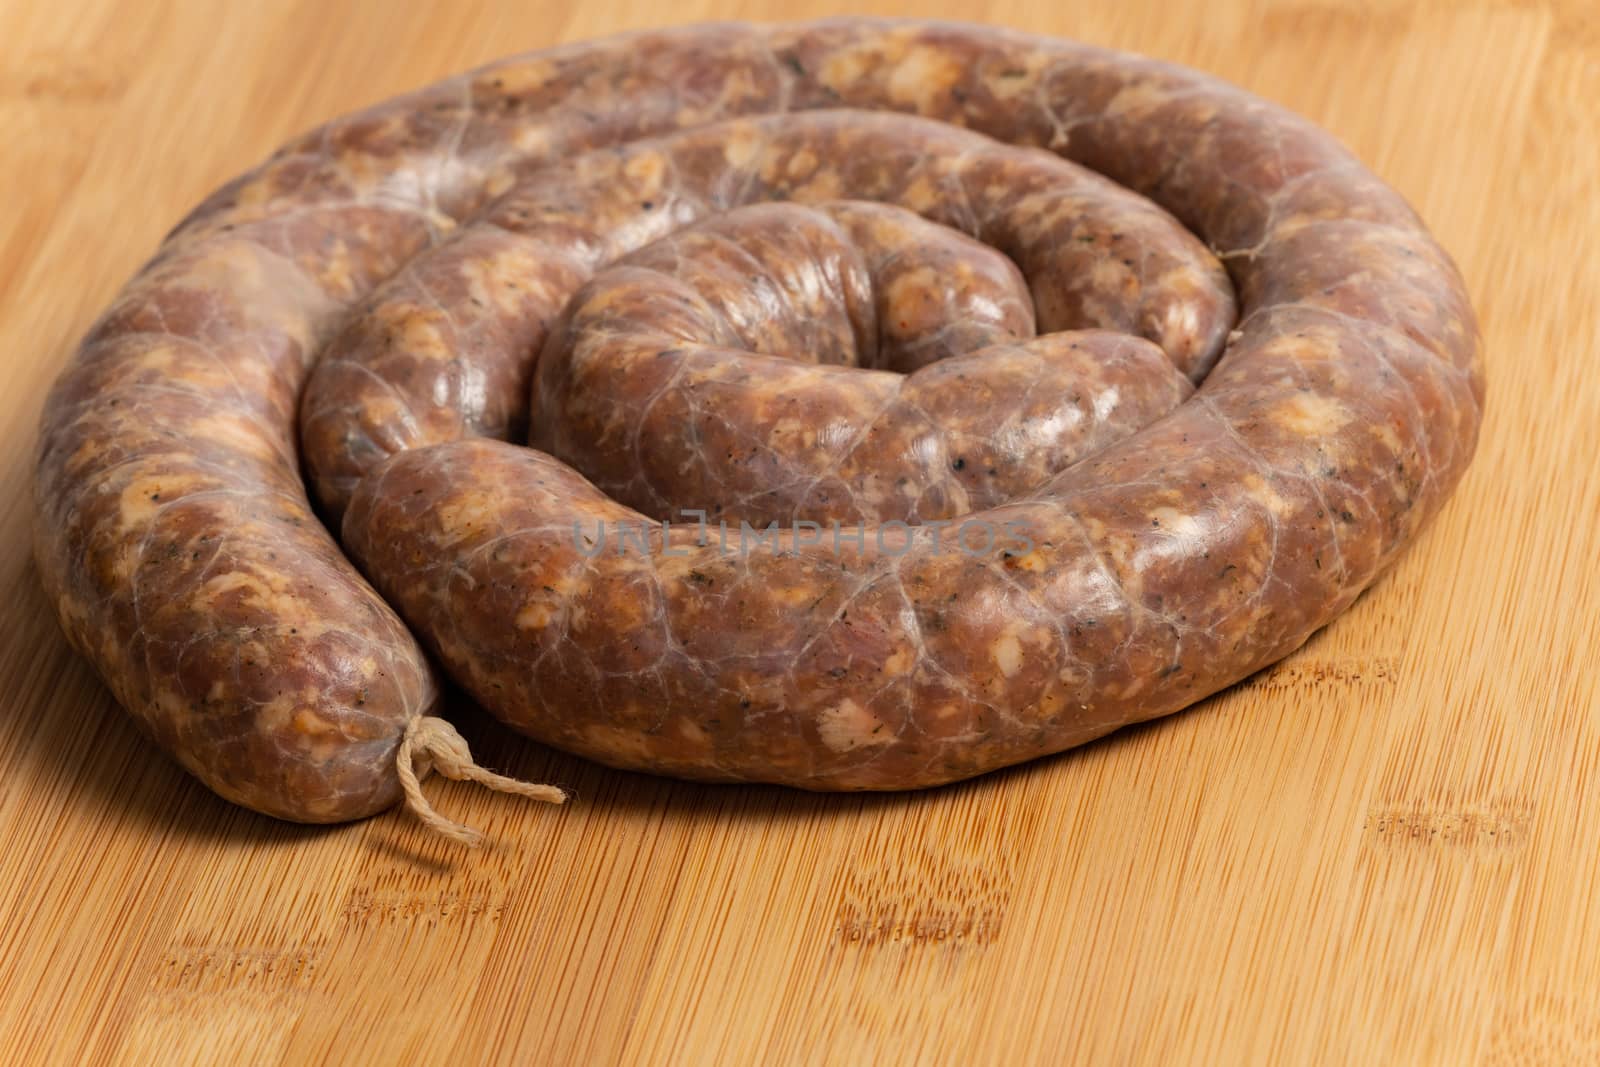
859, 404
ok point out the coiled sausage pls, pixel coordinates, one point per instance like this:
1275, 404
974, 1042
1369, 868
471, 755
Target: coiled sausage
1207, 379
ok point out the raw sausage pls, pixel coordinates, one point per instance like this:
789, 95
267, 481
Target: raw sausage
1049, 529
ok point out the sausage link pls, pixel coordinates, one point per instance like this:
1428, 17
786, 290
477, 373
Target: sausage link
1093, 255
432, 245
650, 389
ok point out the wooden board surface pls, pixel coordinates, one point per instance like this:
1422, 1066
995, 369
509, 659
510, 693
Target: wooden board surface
1383, 851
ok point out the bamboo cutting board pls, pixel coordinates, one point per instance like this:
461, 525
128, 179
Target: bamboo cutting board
1382, 851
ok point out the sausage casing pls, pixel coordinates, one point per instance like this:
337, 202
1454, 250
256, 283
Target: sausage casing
430, 245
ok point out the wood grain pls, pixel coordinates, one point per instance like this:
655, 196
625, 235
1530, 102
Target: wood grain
1381, 851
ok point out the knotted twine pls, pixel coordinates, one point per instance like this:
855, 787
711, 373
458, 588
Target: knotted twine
431, 743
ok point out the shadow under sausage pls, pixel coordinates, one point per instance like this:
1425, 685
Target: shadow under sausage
634, 793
